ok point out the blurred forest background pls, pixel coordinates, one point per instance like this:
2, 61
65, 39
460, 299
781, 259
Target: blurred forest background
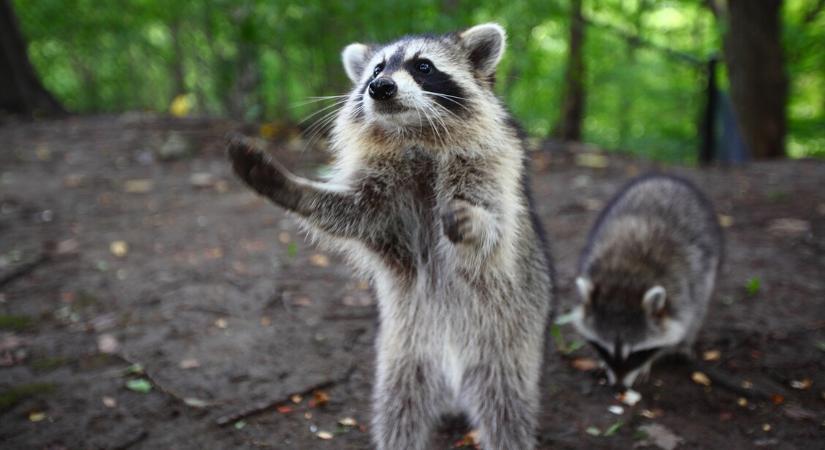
630, 75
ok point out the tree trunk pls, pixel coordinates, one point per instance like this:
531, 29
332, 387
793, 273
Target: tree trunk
569, 127
20, 90
758, 85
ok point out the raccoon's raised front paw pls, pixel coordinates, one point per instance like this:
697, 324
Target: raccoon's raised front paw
256, 168
457, 221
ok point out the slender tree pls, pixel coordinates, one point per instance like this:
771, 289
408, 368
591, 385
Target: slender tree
21, 91
758, 84
569, 127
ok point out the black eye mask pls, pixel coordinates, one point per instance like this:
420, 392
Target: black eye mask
620, 366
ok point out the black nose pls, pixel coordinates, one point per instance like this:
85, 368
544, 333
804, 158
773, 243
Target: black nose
382, 88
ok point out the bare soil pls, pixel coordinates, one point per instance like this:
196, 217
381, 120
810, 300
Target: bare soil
111, 257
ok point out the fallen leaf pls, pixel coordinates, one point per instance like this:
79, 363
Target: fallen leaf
348, 422
139, 385
652, 413
36, 416
711, 355
798, 413
584, 364
119, 248
803, 384
201, 180
700, 378
592, 160
266, 321
325, 435
659, 436
221, 323
468, 440
296, 398
777, 399
319, 260
320, 398
239, 425
284, 238
109, 402
284, 409
629, 397
725, 221
593, 431
189, 363
742, 401
134, 369
107, 343
766, 427
195, 402
615, 409
789, 227
138, 186
610, 431
67, 247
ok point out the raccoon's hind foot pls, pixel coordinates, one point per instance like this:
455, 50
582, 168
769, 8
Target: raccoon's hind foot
462, 222
255, 167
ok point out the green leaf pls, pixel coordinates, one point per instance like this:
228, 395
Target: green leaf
593, 431
135, 369
564, 319
292, 249
613, 428
139, 385
240, 424
752, 286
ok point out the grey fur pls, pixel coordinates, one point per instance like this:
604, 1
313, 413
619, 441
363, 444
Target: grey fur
442, 224
647, 274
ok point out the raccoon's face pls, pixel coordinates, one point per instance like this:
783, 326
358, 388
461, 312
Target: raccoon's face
423, 87
628, 327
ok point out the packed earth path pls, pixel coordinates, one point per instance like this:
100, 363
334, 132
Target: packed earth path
149, 300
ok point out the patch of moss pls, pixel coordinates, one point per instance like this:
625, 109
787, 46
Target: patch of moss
48, 363
16, 394
15, 323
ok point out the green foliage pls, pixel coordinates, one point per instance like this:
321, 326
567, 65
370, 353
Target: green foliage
260, 60
13, 395
15, 323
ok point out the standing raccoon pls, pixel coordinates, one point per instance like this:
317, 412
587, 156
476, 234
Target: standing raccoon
428, 198
647, 274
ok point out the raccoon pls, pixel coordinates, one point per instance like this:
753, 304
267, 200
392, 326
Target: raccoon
647, 274
428, 198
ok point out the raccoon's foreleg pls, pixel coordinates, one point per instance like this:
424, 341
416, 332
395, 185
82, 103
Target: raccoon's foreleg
405, 403
503, 405
468, 224
334, 211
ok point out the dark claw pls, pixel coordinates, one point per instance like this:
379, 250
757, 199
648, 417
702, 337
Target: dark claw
252, 165
454, 223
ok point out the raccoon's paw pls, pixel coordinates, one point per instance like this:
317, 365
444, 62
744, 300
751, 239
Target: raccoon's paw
457, 221
252, 165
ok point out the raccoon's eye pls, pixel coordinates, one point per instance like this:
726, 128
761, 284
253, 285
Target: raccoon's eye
424, 67
377, 69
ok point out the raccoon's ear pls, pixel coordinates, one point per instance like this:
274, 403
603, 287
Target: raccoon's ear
654, 300
485, 45
585, 287
355, 57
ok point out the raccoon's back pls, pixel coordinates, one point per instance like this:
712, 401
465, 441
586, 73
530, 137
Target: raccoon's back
658, 211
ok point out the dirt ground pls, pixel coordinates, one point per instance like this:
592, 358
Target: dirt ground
148, 300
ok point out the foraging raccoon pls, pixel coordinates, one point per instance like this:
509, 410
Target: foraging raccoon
647, 274
428, 198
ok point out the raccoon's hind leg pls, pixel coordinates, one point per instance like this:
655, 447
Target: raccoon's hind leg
407, 402
503, 405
